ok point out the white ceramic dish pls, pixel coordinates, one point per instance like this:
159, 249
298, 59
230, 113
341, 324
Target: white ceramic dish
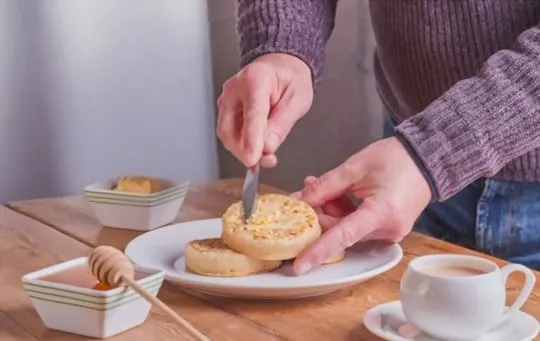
91, 313
388, 322
163, 250
136, 211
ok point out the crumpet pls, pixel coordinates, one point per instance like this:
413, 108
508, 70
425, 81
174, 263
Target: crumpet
279, 228
211, 257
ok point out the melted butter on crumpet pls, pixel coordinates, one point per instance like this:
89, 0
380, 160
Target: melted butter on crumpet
275, 216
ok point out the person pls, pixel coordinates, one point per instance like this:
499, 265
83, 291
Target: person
460, 159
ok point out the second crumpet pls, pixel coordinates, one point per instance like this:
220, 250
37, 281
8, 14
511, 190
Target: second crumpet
210, 257
279, 228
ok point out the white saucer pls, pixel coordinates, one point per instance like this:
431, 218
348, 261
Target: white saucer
387, 321
163, 249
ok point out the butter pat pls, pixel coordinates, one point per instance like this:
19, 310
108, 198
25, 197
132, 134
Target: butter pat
137, 184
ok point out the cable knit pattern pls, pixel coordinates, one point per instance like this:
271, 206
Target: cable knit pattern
462, 77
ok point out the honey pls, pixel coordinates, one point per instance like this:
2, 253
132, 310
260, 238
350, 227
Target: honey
81, 276
102, 286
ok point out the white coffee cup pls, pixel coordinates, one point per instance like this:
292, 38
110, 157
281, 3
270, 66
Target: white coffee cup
446, 301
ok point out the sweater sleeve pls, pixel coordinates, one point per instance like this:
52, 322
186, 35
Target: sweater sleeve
483, 122
297, 27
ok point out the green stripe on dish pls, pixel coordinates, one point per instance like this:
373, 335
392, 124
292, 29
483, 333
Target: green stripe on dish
183, 189
137, 196
99, 295
126, 296
183, 185
137, 199
133, 203
180, 192
75, 303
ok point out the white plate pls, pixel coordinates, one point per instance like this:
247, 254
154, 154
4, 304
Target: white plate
388, 322
163, 249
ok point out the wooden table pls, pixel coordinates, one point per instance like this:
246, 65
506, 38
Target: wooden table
38, 233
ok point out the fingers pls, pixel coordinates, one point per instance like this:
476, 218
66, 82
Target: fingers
339, 207
287, 111
244, 107
343, 234
228, 124
326, 221
256, 107
259, 106
331, 185
268, 161
280, 121
296, 195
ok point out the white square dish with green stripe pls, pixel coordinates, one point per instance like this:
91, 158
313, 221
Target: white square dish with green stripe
136, 211
88, 312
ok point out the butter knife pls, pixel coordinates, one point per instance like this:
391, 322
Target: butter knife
249, 191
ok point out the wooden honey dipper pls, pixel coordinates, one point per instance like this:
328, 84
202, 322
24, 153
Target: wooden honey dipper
111, 266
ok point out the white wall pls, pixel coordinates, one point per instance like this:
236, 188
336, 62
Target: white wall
93, 89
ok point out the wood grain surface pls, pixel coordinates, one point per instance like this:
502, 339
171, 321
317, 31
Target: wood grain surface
42, 232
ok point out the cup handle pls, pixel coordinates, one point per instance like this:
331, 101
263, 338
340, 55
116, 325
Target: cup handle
530, 280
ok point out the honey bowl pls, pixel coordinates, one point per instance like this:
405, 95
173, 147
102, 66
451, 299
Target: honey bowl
135, 210
68, 298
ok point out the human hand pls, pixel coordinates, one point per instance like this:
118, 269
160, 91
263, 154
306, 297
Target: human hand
260, 104
392, 190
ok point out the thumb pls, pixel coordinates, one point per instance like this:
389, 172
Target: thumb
287, 111
349, 230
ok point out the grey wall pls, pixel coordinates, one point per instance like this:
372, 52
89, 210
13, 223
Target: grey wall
94, 89
346, 115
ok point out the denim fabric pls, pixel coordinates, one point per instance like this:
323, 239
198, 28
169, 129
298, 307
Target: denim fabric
499, 218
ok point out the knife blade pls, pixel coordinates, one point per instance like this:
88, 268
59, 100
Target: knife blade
249, 191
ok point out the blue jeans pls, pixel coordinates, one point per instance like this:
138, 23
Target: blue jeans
496, 217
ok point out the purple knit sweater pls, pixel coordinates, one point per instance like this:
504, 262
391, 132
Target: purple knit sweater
462, 77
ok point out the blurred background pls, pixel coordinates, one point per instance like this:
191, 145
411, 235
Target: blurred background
95, 89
